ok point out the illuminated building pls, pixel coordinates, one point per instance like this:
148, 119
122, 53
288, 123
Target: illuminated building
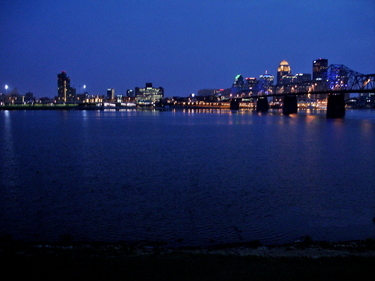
148, 94
238, 81
303, 77
130, 93
110, 94
320, 67
265, 83
82, 98
288, 79
238, 87
304, 82
29, 97
251, 82
251, 85
284, 69
65, 93
13, 97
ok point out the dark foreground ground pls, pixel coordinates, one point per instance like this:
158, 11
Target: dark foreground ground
306, 260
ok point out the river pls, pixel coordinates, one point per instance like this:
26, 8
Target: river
187, 177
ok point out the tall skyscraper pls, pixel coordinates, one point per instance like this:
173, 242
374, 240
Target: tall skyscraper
238, 81
65, 93
284, 69
320, 66
251, 82
110, 93
63, 84
265, 83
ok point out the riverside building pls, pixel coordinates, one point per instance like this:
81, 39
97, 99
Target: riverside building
110, 94
148, 94
65, 93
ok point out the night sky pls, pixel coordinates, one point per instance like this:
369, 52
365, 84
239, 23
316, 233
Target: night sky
182, 46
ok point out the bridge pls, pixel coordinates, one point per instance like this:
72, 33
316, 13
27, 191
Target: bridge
337, 82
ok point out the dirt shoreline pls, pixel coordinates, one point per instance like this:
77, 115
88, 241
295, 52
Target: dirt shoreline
303, 248
303, 260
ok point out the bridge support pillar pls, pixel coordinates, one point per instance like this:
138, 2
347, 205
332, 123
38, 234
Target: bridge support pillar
235, 104
335, 106
290, 104
262, 104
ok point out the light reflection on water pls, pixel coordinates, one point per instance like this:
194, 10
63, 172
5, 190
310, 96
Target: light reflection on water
200, 175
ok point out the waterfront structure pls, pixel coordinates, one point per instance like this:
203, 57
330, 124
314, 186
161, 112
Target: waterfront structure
29, 97
110, 94
283, 70
65, 93
82, 98
13, 97
148, 94
320, 67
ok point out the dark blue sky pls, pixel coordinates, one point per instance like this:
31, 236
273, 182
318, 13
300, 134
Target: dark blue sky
182, 46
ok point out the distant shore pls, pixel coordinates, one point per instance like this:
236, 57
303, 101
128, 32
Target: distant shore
91, 107
120, 108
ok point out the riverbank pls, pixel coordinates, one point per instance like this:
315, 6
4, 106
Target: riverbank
305, 260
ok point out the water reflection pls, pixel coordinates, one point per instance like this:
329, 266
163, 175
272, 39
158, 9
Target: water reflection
9, 164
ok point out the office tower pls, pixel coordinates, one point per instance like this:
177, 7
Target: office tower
303, 77
63, 84
110, 94
238, 81
284, 69
266, 79
265, 83
130, 93
251, 82
65, 93
238, 86
320, 67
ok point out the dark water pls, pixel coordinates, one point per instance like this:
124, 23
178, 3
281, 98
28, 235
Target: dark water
191, 175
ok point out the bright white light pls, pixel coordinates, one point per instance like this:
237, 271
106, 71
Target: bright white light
6, 87
84, 86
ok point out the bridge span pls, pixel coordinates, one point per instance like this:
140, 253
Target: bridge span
338, 82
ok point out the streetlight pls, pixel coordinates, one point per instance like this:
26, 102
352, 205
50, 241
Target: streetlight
6, 89
79, 88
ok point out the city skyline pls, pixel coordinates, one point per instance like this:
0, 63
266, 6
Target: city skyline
182, 47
